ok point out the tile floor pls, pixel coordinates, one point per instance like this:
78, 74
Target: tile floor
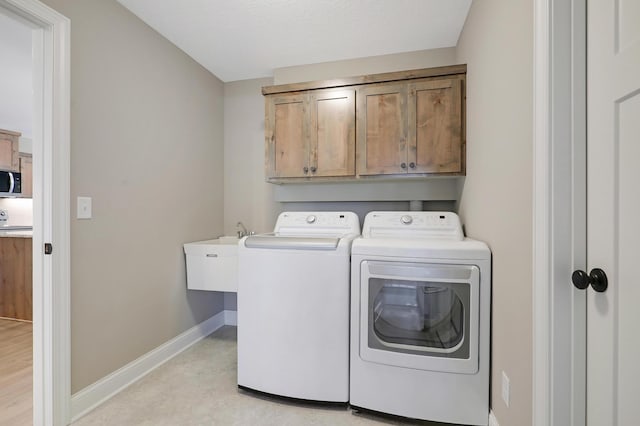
198, 387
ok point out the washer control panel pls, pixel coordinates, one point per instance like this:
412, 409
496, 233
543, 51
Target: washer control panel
326, 223
433, 225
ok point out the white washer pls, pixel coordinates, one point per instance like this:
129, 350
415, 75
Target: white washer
293, 307
420, 312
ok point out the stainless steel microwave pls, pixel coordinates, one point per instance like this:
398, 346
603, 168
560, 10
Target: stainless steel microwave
10, 184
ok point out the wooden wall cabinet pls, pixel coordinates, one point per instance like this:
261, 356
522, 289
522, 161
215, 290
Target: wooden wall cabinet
409, 123
9, 146
382, 124
26, 172
16, 278
413, 127
310, 134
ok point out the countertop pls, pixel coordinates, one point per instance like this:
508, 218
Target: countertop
16, 232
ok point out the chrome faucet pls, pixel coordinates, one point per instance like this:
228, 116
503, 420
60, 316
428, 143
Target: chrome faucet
242, 232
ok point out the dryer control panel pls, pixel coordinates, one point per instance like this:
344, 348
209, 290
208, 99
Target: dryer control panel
422, 225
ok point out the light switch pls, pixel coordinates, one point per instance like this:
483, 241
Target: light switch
84, 207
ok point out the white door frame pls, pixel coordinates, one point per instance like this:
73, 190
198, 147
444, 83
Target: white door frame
51, 166
559, 231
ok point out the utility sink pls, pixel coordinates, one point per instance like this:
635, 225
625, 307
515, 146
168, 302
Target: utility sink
227, 239
212, 265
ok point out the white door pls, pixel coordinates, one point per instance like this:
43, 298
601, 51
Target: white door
613, 211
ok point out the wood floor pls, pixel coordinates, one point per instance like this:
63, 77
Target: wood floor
16, 360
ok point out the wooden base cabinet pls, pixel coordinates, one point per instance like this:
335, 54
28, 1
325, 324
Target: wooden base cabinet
16, 278
310, 134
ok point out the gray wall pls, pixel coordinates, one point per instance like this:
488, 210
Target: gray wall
247, 197
496, 205
363, 66
230, 301
147, 145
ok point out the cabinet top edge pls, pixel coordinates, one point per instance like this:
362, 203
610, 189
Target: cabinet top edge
10, 132
366, 79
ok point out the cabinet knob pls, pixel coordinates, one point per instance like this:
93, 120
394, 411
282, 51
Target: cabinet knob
305, 169
403, 165
412, 165
313, 169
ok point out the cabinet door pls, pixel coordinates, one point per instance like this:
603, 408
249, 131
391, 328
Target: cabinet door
435, 127
16, 278
9, 151
333, 122
381, 114
287, 135
26, 172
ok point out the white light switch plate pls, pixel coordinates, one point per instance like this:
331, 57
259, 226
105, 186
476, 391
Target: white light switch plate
84, 208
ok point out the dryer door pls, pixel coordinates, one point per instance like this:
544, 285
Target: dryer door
420, 315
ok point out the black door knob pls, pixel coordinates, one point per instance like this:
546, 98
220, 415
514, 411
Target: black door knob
596, 278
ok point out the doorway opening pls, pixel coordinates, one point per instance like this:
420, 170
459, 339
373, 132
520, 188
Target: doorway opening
16, 221
49, 213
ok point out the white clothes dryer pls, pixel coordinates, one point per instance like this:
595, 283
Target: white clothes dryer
420, 318
293, 307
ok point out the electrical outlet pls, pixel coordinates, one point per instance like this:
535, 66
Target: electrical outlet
505, 388
4, 217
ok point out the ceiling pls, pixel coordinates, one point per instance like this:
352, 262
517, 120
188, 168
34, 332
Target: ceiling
243, 39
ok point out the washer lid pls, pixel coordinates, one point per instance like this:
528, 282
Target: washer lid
271, 241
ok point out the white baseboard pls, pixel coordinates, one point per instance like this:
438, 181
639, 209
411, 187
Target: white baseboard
95, 394
492, 419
